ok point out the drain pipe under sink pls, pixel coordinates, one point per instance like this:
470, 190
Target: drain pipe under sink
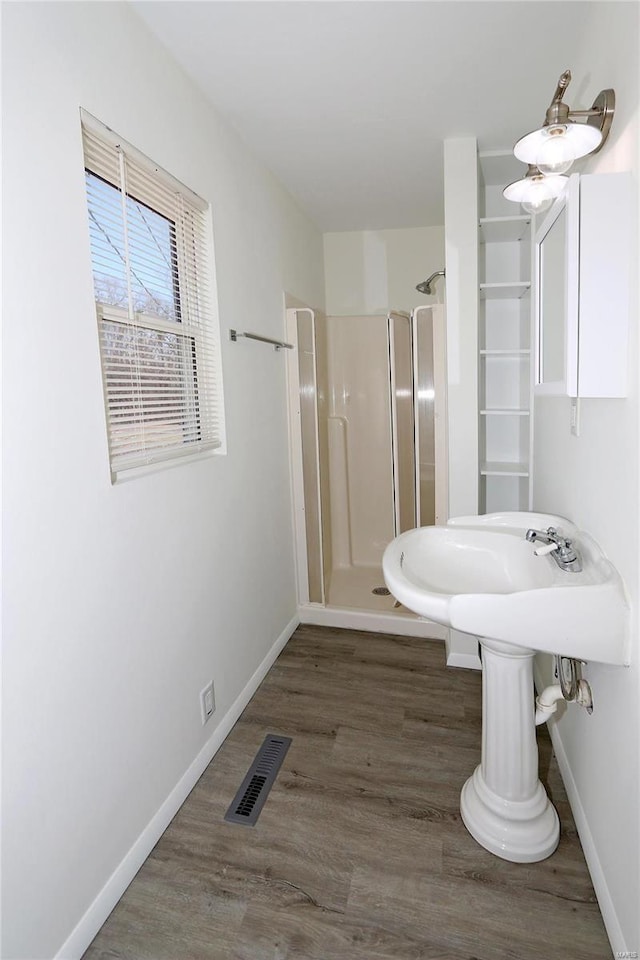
547, 702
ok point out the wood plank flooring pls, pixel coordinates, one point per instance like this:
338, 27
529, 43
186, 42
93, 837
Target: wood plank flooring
360, 852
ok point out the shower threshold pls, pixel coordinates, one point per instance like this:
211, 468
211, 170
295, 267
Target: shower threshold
390, 620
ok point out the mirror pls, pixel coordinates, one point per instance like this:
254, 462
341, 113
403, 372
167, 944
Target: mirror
556, 297
553, 300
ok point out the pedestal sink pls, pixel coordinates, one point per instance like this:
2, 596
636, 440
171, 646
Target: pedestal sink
481, 576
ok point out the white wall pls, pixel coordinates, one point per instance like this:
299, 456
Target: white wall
374, 271
461, 248
122, 602
593, 480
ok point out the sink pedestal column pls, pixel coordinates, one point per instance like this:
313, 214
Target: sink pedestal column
503, 804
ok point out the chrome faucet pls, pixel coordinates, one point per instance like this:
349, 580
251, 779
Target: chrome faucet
558, 546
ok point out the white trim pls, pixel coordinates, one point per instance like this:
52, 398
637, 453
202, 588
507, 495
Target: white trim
316, 439
354, 619
465, 661
605, 900
532, 363
569, 203
416, 413
392, 316
295, 457
296, 463
158, 466
210, 278
393, 413
440, 413
89, 924
109, 136
460, 651
440, 421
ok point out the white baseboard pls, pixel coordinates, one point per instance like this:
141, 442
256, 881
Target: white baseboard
353, 619
605, 901
89, 925
462, 650
467, 661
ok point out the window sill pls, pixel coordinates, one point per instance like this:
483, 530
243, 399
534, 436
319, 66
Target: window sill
132, 473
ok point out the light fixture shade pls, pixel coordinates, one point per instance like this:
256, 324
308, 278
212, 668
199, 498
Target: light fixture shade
582, 137
530, 188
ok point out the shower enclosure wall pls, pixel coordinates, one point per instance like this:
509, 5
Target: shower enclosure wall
366, 427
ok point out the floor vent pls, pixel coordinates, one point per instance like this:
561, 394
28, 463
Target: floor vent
261, 775
381, 592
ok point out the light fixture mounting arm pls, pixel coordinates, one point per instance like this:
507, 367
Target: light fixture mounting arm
557, 111
563, 83
599, 116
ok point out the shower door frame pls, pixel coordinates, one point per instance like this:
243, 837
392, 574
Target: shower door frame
441, 458
393, 411
296, 458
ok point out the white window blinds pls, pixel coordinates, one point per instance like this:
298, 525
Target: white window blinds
153, 280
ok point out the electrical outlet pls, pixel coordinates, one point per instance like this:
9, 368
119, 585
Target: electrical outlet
207, 702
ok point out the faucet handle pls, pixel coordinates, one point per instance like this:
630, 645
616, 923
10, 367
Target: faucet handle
546, 548
554, 541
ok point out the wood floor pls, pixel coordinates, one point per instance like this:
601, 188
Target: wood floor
359, 852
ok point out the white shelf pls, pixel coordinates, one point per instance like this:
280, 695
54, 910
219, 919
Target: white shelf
504, 229
503, 247
504, 291
505, 412
506, 354
505, 469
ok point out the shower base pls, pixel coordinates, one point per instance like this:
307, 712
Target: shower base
354, 586
351, 605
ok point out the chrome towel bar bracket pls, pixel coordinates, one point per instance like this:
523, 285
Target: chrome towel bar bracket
277, 344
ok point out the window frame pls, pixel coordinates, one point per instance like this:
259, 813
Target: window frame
195, 305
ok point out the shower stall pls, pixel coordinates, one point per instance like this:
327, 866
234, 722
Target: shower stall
368, 441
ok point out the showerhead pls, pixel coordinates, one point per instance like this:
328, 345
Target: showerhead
425, 286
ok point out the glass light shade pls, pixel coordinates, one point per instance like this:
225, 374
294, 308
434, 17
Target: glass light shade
537, 204
536, 188
555, 155
582, 137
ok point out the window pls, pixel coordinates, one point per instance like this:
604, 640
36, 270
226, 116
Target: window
153, 283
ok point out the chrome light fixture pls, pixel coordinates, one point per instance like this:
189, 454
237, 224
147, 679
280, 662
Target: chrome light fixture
551, 150
561, 139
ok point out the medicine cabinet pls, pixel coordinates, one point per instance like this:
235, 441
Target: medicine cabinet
582, 259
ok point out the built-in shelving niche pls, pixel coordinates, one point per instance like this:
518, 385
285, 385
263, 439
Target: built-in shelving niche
504, 339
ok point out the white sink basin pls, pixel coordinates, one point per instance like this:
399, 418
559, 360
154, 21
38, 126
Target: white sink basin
479, 575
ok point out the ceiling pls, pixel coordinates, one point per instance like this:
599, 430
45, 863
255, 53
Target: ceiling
348, 102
